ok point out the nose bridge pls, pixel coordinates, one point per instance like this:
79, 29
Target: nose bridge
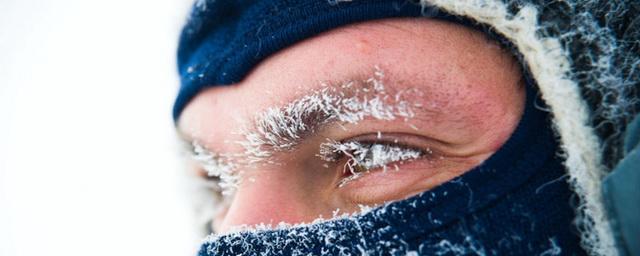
271, 197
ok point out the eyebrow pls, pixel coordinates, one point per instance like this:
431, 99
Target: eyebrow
280, 129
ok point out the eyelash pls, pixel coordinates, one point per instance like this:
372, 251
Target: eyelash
362, 157
217, 169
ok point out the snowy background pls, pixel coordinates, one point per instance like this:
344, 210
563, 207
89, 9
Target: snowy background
88, 157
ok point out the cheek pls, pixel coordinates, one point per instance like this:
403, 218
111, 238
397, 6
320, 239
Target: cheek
269, 198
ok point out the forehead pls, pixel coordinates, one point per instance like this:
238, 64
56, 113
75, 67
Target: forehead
457, 69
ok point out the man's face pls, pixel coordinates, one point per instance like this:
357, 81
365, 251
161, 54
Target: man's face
361, 115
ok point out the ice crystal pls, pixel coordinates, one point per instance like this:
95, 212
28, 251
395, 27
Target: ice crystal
281, 128
216, 166
363, 157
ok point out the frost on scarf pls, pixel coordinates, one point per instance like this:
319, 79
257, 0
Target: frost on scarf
412, 227
602, 39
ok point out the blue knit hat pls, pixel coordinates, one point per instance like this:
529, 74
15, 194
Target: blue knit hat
224, 39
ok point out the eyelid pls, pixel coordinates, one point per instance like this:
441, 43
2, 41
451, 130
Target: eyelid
373, 155
396, 182
430, 146
391, 143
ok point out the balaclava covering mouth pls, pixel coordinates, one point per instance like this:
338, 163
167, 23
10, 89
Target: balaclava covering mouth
516, 202
577, 55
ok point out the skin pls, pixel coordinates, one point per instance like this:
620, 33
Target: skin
472, 98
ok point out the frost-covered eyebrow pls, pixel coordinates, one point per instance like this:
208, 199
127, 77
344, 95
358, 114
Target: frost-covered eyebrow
280, 129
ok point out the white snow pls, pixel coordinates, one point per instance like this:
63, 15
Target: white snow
364, 157
281, 128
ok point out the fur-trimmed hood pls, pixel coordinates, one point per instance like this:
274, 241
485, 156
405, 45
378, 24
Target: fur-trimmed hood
585, 58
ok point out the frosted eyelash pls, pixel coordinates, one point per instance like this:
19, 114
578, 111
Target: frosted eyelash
217, 166
368, 156
278, 129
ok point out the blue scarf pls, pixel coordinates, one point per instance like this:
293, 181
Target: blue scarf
516, 203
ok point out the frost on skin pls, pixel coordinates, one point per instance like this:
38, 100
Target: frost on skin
281, 128
216, 166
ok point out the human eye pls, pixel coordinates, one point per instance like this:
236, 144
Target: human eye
362, 157
373, 169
